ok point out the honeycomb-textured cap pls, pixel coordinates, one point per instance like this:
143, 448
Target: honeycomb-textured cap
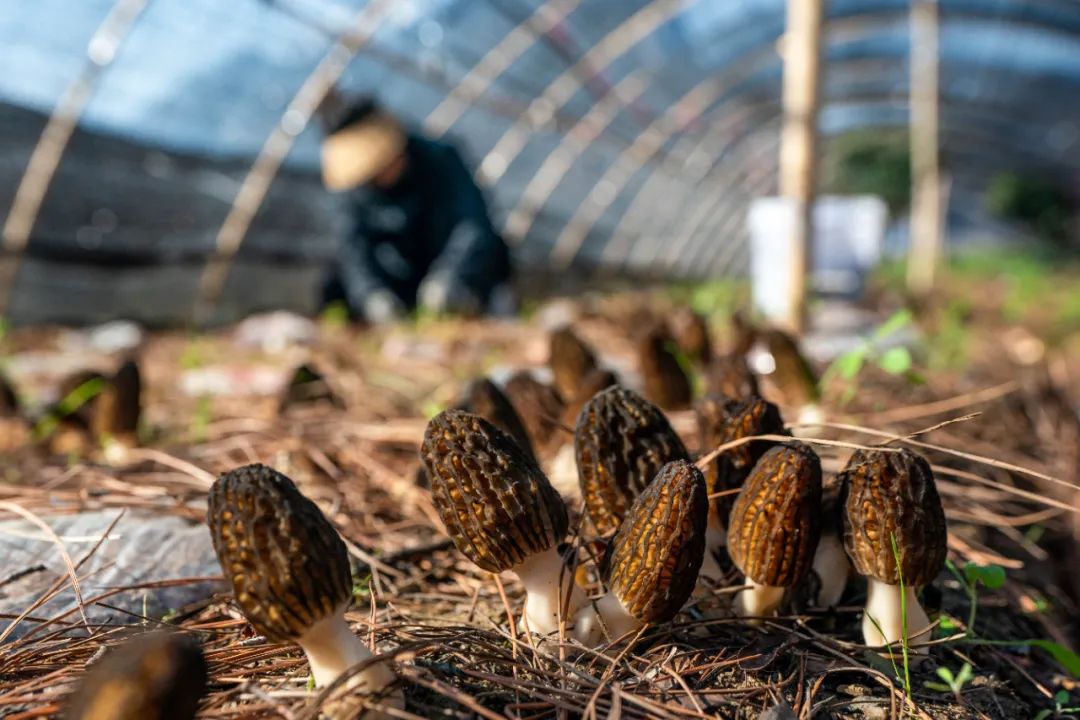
287, 565
654, 559
484, 398
497, 505
775, 525
691, 334
666, 383
730, 376
117, 409
540, 408
886, 494
154, 676
621, 441
570, 361
721, 421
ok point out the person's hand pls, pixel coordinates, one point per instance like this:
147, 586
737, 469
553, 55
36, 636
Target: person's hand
382, 307
443, 293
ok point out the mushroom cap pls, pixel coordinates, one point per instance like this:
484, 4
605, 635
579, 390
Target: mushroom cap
621, 441
497, 505
775, 525
793, 375
540, 408
117, 409
731, 377
287, 565
653, 561
666, 383
484, 398
886, 494
691, 334
570, 360
720, 421
153, 676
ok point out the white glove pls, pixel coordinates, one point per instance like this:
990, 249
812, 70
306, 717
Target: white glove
441, 293
382, 307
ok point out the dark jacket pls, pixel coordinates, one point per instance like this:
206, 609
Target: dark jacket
433, 219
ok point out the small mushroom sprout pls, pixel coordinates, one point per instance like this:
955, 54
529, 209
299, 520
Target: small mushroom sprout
653, 560
621, 441
289, 572
774, 526
894, 533
571, 360
666, 383
501, 512
153, 676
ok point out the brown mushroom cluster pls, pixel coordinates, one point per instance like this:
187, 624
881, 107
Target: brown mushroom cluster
755, 495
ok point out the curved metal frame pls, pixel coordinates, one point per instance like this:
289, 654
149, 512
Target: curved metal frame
59, 128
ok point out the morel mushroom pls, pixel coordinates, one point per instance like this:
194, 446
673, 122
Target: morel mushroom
154, 676
289, 571
115, 420
666, 383
774, 526
889, 496
653, 560
501, 512
484, 398
9, 401
729, 376
621, 441
691, 334
571, 360
540, 408
597, 380
307, 386
721, 421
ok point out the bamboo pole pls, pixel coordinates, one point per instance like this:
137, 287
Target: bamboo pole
926, 231
256, 184
798, 142
54, 139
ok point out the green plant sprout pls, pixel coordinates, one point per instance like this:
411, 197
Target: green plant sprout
201, 420
68, 404
895, 360
1060, 698
954, 683
993, 578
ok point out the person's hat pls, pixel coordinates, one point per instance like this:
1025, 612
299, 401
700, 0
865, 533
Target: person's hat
362, 139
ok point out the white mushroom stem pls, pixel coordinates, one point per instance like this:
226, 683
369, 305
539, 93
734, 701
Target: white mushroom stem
831, 567
332, 648
883, 608
758, 601
618, 622
540, 575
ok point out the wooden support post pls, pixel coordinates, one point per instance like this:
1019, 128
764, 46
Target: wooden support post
927, 216
798, 143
